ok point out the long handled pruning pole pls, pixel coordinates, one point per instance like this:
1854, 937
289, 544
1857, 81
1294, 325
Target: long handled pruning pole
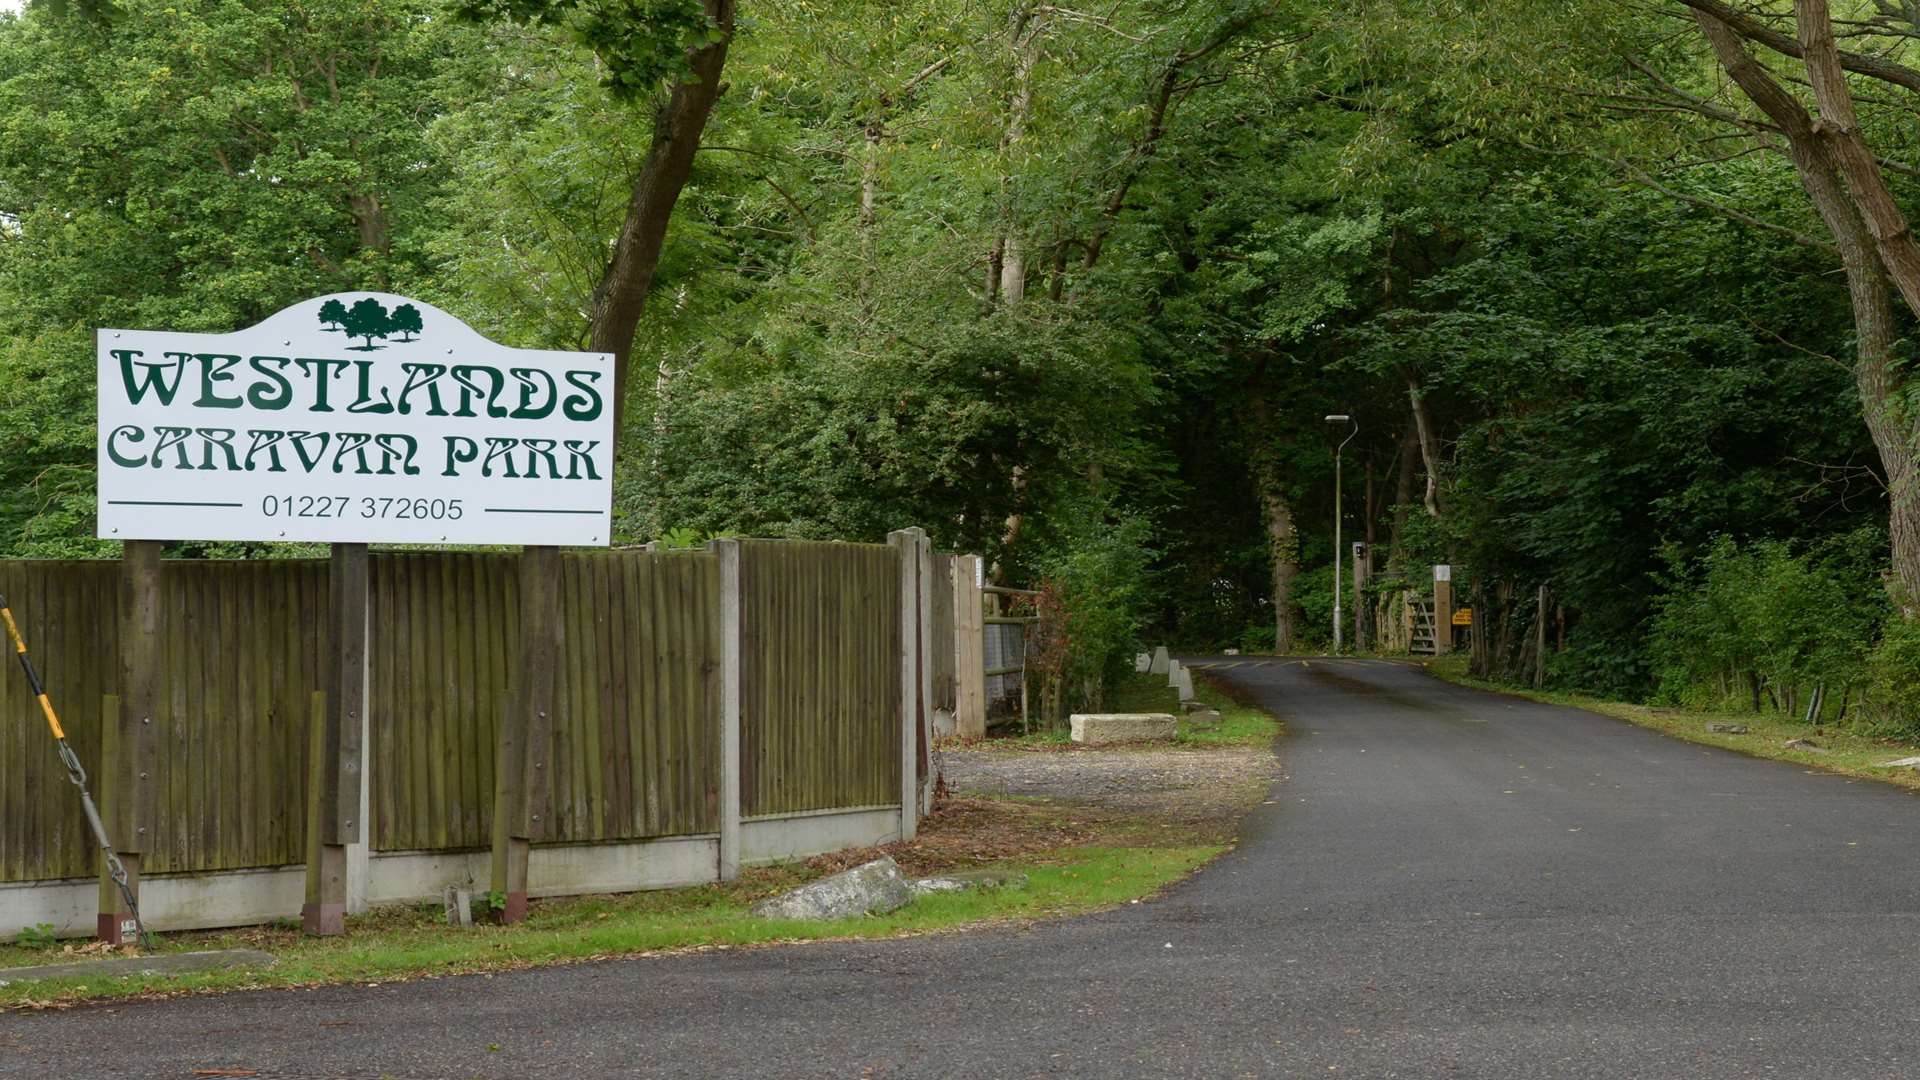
74, 772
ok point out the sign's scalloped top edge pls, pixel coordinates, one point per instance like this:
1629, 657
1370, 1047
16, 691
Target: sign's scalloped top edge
299, 320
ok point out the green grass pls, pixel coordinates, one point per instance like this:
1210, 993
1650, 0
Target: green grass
412, 943
1841, 751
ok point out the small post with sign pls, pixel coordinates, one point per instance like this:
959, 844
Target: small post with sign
1442, 609
1360, 602
349, 419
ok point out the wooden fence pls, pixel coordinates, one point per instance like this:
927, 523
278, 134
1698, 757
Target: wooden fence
636, 739
819, 677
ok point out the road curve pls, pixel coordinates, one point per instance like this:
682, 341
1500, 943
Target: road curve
1448, 883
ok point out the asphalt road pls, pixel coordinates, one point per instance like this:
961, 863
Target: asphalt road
1449, 883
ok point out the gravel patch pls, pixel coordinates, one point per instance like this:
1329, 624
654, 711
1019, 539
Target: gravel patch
1176, 785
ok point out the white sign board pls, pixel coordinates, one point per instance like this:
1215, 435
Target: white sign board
1442, 572
353, 418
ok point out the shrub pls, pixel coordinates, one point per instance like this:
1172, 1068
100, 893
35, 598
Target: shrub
1893, 678
1761, 625
1092, 607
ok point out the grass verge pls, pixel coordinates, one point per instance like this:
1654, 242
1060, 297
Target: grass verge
1837, 750
403, 944
1077, 860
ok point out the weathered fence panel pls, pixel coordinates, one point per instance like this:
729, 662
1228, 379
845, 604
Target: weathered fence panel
66, 612
441, 649
636, 729
637, 737
637, 734
819, 676
242, 654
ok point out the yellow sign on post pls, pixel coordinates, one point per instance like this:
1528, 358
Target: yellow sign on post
1463, 616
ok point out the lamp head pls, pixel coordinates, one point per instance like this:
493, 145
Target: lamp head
1338, 418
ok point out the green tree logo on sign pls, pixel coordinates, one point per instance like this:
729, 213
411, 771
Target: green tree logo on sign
368, 319
333, 313
405, 321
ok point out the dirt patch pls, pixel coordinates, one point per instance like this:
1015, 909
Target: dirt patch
1206, 792
963, 833
1006, 804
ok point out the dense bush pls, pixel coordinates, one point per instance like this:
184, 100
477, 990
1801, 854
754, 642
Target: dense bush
1893, 678
1093, 576
1760, 626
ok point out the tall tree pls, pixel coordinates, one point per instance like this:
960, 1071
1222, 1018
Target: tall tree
683, 43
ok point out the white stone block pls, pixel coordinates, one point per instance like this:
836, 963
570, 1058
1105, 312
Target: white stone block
1097, 729
1160, 661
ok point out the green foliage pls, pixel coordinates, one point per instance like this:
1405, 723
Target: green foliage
640, 42
1313, 595
38, 936
1893, 677
1093, 576
682, 538
1743, 623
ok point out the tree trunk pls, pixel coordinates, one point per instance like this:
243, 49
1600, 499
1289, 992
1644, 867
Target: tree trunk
1428, 437
1403, 491
1283, 544
621, 296
869, 188
1013, 249
1811, 147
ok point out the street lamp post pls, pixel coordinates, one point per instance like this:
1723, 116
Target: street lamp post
1338, 418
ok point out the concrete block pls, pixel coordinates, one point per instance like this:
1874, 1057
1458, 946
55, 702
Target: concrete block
459, 906
873, 888
1183, 682
1097, 729
1142, 663
1173, 672
1158, 665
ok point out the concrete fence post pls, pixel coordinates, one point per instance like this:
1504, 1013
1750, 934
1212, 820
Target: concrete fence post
728, 553
925, 780
969, 644
907, 543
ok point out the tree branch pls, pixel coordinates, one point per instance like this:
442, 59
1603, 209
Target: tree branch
1787, 45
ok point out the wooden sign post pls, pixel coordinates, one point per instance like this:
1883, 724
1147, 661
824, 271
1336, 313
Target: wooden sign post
520, 812
338, 802
130, 735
